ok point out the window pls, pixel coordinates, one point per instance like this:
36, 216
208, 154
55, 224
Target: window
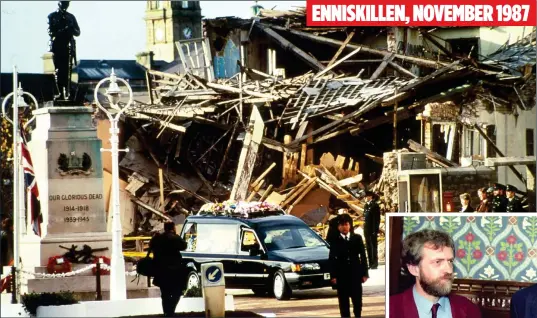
184, 4
289, 236
530, 142
248, 241
211, 238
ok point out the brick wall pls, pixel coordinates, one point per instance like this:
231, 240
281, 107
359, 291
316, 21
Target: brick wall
468, 179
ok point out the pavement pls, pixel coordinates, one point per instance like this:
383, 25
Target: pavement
317, 302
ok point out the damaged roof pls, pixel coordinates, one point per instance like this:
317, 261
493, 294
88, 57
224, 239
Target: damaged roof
512, 58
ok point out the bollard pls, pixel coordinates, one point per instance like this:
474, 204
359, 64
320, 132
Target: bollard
13, 285
214, 289
98, 279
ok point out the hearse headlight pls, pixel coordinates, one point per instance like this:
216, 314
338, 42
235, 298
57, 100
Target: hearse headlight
305, 267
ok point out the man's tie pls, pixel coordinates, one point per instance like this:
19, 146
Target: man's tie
435, 310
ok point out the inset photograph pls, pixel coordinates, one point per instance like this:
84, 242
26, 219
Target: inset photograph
466, 265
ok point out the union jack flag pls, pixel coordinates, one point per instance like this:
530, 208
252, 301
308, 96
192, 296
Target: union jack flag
33, 205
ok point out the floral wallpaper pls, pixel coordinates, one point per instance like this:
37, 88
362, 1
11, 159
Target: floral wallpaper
487, 247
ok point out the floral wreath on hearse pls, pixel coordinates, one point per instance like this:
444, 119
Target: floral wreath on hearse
241, 209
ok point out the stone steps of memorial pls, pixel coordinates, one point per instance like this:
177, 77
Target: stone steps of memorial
79, 284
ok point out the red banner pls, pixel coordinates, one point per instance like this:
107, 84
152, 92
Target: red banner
421, 13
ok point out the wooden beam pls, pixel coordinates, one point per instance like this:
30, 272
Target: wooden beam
401, 70
430, 154
382, 66
151, 209
248, 156
341, 48
426, 35
499, 152
508, 161
324, 128
336, 43
288, 46
328, 68
376, 159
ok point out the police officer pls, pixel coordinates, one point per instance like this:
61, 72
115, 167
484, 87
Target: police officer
371, 228
513, 202
499, 203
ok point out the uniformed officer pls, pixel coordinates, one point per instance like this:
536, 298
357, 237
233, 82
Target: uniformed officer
513, 202
499, 203
371, 228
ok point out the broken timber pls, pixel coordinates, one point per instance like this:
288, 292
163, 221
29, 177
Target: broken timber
336, 43
431, 154
252, 140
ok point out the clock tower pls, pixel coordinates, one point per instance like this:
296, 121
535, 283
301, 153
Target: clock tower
168, 22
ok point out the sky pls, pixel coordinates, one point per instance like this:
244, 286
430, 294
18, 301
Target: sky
109, 29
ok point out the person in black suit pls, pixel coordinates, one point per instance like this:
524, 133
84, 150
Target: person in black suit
524, 303
513, 202
348, 267
499, 203
371, 228
168, 263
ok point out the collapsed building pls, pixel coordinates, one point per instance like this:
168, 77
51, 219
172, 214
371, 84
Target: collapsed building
269, 109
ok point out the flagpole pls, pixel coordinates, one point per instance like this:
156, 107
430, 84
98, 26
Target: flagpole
16, 188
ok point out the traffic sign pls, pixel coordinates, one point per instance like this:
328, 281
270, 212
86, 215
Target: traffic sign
212, 274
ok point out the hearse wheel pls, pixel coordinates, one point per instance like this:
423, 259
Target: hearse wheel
192, 280
280, 288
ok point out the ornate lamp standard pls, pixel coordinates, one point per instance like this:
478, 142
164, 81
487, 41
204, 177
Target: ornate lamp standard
19, 212
118, 287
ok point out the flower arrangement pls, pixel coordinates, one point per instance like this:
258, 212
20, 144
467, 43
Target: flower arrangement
241, 208
58, 265
102, 260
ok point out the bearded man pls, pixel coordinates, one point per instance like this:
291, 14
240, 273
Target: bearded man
428, 256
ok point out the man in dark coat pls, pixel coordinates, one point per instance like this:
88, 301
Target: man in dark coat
371, 228
333, 224
169, 273
513, 202
524, 303
348, 267
499, 203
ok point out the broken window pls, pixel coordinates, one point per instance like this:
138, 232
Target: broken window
474, 144
530, 142
464, 47
184, 4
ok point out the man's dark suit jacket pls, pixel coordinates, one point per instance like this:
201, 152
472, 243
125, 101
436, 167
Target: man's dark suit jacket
524, 303
169, 269
348, 262
403, 306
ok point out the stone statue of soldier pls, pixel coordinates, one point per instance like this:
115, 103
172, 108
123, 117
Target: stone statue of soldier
62, 30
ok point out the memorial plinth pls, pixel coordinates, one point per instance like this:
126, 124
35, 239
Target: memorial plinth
68, 169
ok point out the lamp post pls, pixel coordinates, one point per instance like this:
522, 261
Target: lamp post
118, 287
19, 212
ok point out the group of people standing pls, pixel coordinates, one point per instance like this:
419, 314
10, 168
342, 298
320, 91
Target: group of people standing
498, 198
348, 262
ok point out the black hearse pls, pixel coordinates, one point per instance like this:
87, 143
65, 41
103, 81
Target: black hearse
276, 253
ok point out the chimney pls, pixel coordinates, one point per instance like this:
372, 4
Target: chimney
48, 63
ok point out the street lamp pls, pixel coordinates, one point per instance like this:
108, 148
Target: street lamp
19, 212
118, 287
